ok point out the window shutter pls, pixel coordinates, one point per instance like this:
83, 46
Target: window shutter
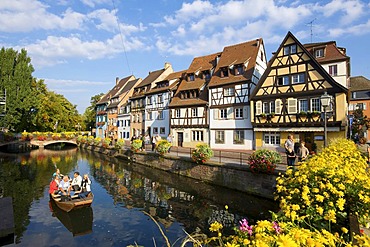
215, 114
230, 113
278, 106
258, 108
292, 105
364, 106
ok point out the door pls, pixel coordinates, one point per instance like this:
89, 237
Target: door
180, 138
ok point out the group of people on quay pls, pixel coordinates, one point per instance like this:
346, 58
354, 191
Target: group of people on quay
146, 140
302, 151
77, 187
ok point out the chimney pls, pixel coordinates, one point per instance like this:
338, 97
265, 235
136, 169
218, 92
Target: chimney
117, 80
167, 65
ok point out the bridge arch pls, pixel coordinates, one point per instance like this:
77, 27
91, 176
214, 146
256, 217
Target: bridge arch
50, 142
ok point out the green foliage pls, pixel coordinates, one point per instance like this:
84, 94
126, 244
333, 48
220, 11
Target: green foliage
360, 124
119, 144
163, 146
202, 153
89, 115
136, 145
97, 140
106, 142
264, 161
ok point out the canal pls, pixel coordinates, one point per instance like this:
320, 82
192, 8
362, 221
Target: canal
123, 192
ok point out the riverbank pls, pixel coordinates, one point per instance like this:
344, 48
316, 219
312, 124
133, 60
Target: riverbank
226, 174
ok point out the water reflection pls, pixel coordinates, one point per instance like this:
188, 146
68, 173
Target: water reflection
122, 191
78, 221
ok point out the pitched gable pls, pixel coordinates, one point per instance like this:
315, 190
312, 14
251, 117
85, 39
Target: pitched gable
293, 69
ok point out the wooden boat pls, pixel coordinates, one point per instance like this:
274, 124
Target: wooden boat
74, 202
78, 221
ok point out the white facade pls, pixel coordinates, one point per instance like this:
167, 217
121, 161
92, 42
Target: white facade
229, 114
338, 70
157, 118
123, 121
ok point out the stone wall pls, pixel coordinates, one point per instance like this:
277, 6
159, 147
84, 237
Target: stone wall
232, 176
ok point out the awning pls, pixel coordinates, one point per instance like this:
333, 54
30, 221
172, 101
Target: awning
298, 129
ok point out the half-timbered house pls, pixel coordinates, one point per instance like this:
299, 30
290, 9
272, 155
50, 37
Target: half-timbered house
138, 99
101, 116
157, 119
189, 107
115, 97
287, 99
237, 73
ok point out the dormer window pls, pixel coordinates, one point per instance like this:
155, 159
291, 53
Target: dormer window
229, 91
290, 49
319, 52
224, 72
239, 69
206, 74
191, 77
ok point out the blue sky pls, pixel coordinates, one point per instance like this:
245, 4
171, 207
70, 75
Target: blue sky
79, 47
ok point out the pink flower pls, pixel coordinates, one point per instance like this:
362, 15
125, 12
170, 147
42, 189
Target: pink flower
244, 227
276, 227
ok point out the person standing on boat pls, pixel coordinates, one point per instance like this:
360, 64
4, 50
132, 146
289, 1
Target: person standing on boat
76, 182
85, 187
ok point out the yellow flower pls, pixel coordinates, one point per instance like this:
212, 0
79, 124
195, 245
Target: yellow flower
320, 210
344, 230
286, 241
215, 226
330, 215
232, 245
340, 203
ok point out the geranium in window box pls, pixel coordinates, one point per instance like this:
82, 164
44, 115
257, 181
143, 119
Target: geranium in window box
202, 153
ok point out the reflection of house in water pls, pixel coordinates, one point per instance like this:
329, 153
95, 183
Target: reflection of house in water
194, 205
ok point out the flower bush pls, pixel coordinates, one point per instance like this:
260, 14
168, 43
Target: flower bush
97, 140
119, 144
202, 153
264, 161
163, 146
90, 140
81, 139
136, 145
327, 189
106, 142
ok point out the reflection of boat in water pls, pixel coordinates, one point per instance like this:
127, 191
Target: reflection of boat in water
74, 203
78, 221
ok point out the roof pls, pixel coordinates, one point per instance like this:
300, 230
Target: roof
173, 76
243, 53
332, 52
112, 93
177, 102
203, 63
151, 77
359, 83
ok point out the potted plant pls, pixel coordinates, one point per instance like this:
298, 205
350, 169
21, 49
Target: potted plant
263, 115
106, 142
163, 146
263, 161
136, 145
302, 114
202, 153
119, 144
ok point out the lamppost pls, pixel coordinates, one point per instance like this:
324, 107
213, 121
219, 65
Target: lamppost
325, 102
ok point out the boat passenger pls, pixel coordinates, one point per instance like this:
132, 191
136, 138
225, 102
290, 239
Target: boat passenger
53, 187
85, 188
57, 173
64, 185
76, 182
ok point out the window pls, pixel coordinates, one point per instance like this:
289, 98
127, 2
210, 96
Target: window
361, 106
149, 100
239, 69
292, 105
333, 70
160, 115
315, 105
150, 115
303, 105
223, 113
177, 113
160, 98
290, 49
268, 107
194, 112
238, 112
191, 77
224, 72
229, 91
283, 80
162, 131
271, 138
197, 135
206, 74
220, 137
298, 78
238, 137
319, 53
155, 130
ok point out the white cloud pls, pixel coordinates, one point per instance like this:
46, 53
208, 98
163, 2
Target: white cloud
351, 10
25, 16
360, 29
54, 49
93, 3
72, 83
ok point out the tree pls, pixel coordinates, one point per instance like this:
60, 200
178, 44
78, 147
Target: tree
17, 81
360, 124
90, 112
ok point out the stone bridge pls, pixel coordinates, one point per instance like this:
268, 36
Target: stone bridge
42, 144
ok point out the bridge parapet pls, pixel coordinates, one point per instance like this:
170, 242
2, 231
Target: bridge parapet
49, 142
